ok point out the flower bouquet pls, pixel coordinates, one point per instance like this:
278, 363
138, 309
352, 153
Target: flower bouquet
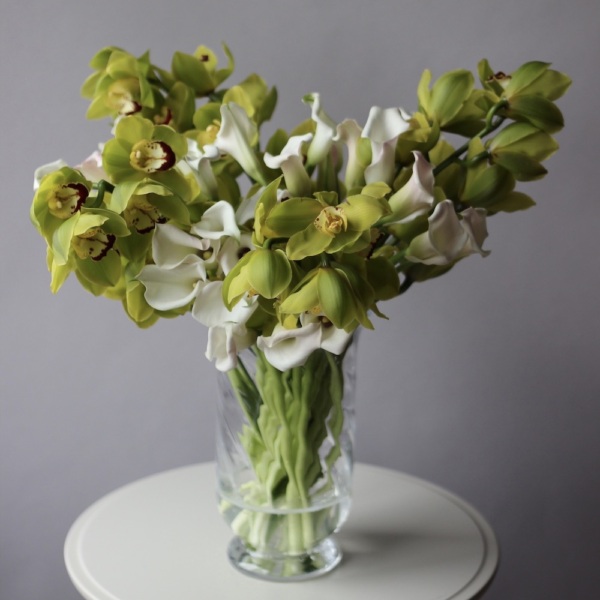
284, 250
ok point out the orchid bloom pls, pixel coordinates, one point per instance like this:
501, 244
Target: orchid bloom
383, 127
449, 238
291, 162
415, 197
237, 136
289, 348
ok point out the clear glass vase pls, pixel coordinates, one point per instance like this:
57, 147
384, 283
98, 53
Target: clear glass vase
284, 462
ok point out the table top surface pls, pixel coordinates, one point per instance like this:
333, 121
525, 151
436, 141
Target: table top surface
162, 537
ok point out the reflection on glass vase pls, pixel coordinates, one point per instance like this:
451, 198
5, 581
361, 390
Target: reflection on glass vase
284, 462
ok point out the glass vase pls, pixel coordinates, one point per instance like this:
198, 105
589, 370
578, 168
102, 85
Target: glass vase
284, 462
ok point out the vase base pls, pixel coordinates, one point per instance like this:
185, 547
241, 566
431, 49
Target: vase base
321, 559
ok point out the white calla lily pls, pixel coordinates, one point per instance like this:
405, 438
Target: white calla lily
232, 250
289, 348
324, 132
291, 162
225, 342
217, 221
415, 197
383, 127
91, 168
199, 162
349, 132
227, 333
171, 247
167, 289
449, 238
333, 339
237, 137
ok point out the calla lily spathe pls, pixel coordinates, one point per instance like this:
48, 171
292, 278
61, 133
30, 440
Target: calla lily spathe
227, 333
449, 238
415, 197
237, 137
289, 348
291, 162
324, 132
383, 127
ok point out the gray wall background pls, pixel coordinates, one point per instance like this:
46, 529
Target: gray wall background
485, 381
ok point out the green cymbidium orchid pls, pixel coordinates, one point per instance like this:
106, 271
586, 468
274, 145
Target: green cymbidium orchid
60, 195
265, 272
199, 70
121, 85
143, 152
328, 291
85, 243
320, 224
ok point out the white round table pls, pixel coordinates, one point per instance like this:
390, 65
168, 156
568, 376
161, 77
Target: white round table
161, 538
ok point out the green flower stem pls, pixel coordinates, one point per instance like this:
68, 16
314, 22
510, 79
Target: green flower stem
102, 187
490, 125
290, 415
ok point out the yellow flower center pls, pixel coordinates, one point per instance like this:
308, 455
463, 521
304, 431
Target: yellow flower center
141, 215
121, 96
209, 135
331, 221
66, 200
150, 157
94, 244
